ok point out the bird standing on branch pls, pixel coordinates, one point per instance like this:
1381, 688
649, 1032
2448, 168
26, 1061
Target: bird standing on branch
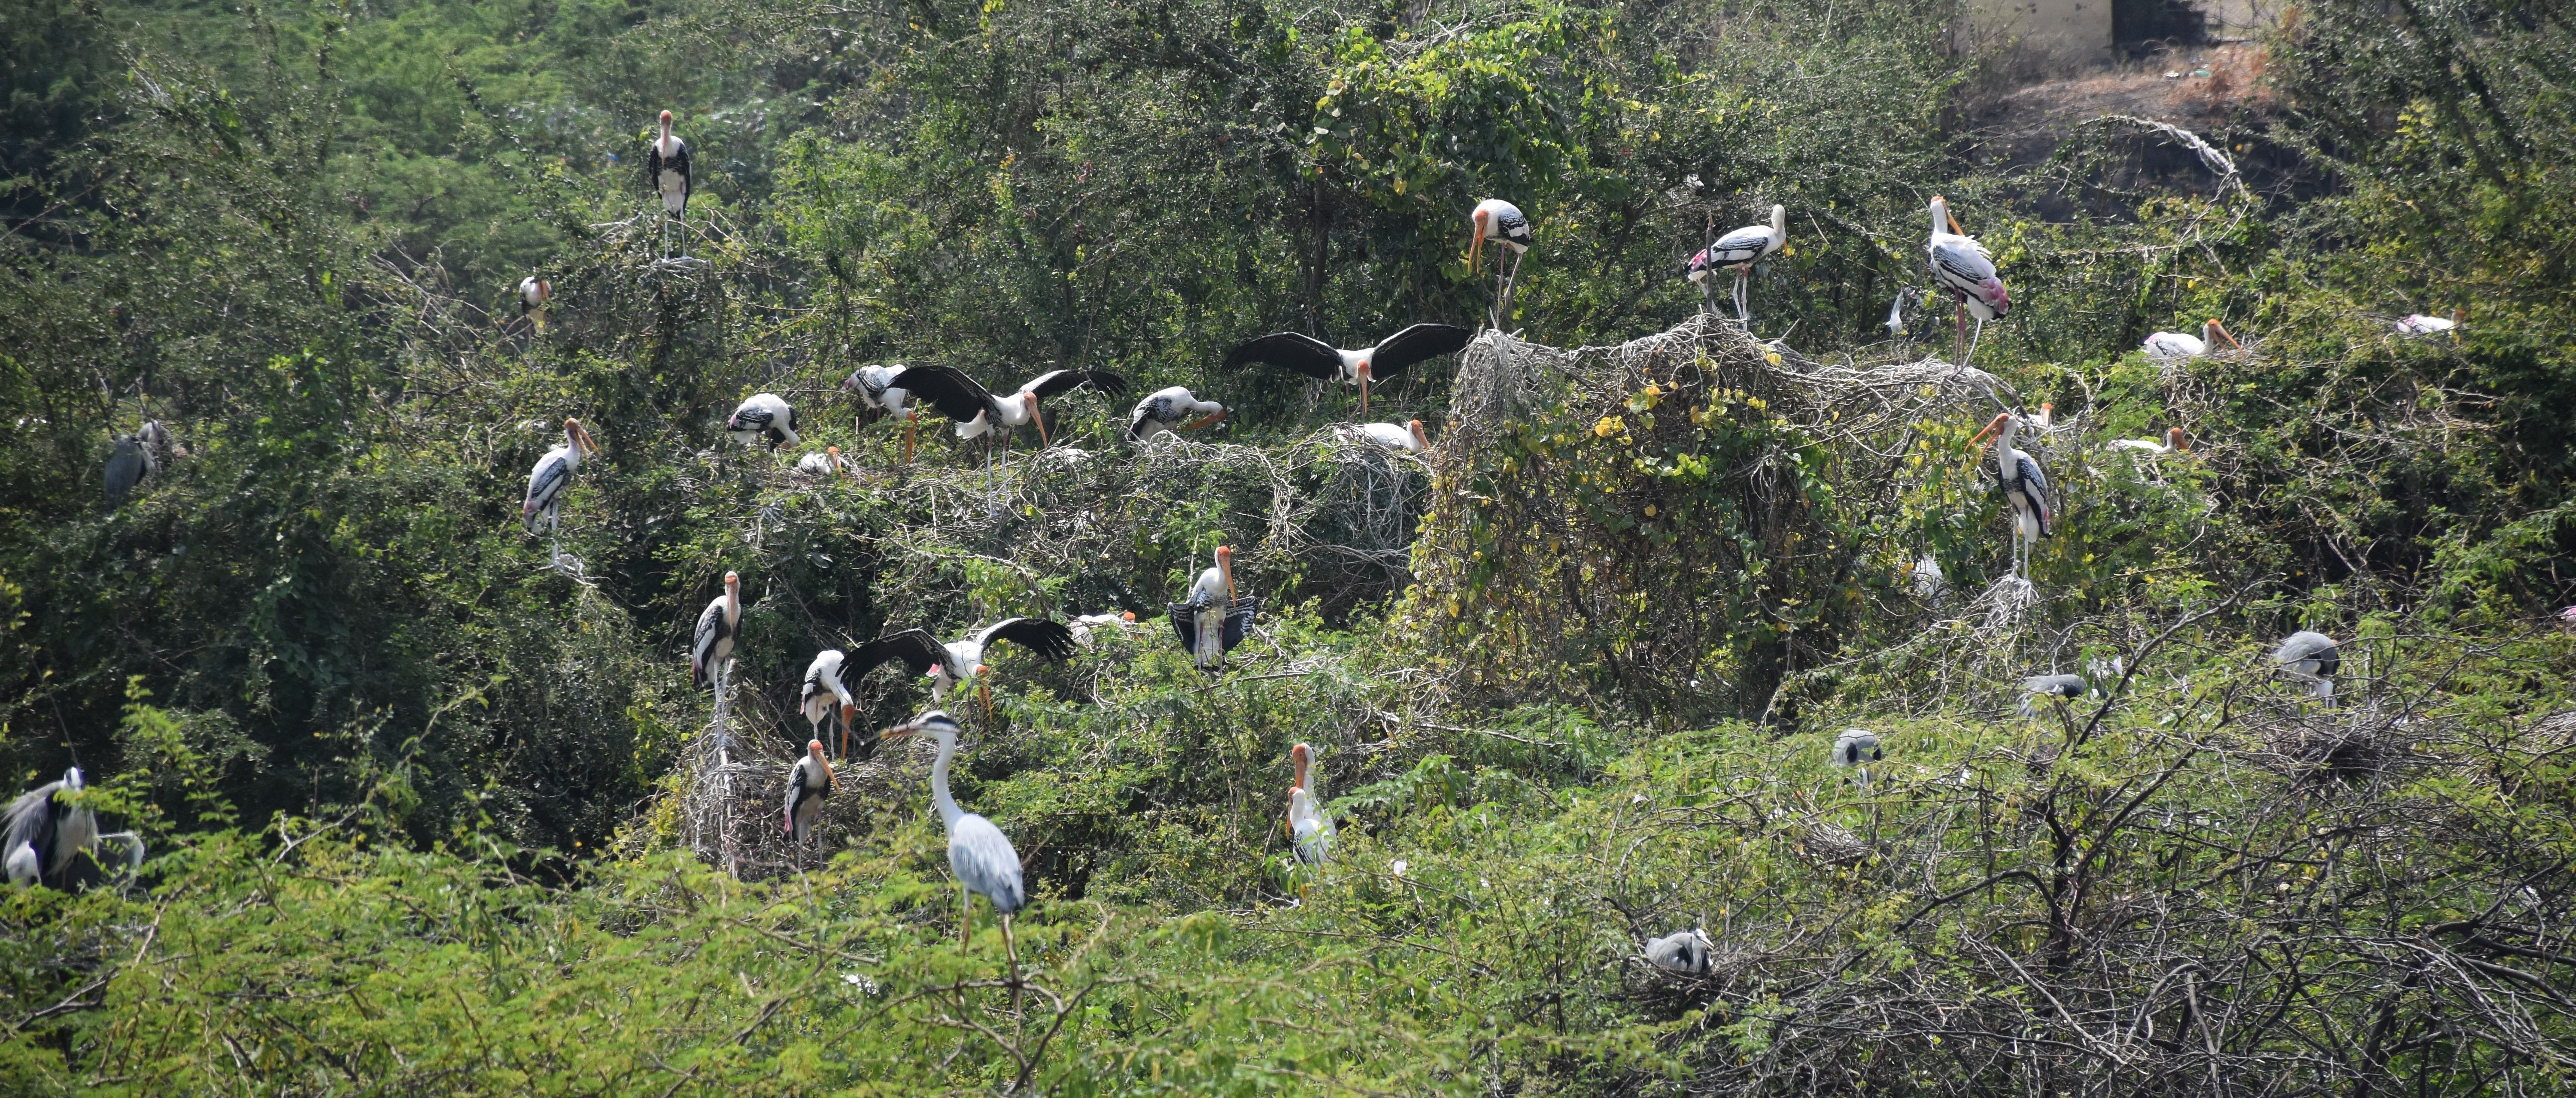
1310, 830
129, 464
666, 170
1212, 620
1313, 357
2025, 487
1738, 250
2311, 658
711, 647
823, 696
534, 292
1857, 748
1503, 222
978, 853
553, 474
882, 397
808, 783
2058, 689
43, 830
1964, 267
763, 415
1169, 412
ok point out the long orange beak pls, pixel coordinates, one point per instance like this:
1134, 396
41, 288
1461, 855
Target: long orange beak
1208, 421
1946, 215
1039, 418
2181, 441
1476, 243
1993, 426
2224, 334
1225, 566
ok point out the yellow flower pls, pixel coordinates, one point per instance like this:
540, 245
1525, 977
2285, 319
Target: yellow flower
1608, 426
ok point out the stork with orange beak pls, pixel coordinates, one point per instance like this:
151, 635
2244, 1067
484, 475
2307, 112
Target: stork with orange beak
2025, 487
1212, 620
958, 664
551, 475
666, 171
1315, 358
2175, 443
1502, 221
822, 690
1964, 267
1310, 829
712, 647
808, 783
2180, 345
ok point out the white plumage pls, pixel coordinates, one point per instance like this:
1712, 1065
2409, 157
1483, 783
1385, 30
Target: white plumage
1406, 439
1169, 411
1310, 829
763, 416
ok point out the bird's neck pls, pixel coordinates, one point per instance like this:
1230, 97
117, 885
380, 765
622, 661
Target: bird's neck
939, 798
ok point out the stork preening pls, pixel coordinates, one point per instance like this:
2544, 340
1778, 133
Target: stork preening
824, 697
1964, 267
1310, 828
711, 646
1856, 748
666, 171
547, 481
1737, 251
880, 396
129, 464
979, 412
1407, 439
1170, 412
808, 783
2310, 658
1211, 621
44, 832
978, 853
961, 663
2175, 443
533, 295
763, 416
2058, 689
1315, 358
1503, 222
2025, 487
1687, 952
824, 466
2180, 345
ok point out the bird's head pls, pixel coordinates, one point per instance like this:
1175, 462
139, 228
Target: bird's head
733, 585
1225, 569
1994, 427
1941, 216
1302, 757
666, 123
839, 468
1779, 224
1420, 441
2180, 441
982, 670
1363, 370
814, 750
1128, 616
1480, 223
73, 781
2047, 413
579, 436
936, 723
2220, 330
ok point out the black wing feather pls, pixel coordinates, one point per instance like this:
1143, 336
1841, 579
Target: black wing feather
1290, 351
2034, 485
1238, 621
1058, 381
1415, 344
1052, 639
916, 648
946, 388
1185, 623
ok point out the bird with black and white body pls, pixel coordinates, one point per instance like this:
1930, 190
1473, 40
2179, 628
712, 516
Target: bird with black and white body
1407, 439
1856, 748
1964, 267
880, 396
43, 832
129, 464
533, 295
666, 172
1508, 228
2025, 487
1388, 359
1738, 251
2175, 443
552, 475
979, 854
1212, 620
824, 466
979, 412
763, 416
1310, 828
711, 645
1925, 577
2312, 658
1082, 627
158, 443
2180, 345
823, 697
2058, 689
1687, 952
1169, 412
808, 783
960, 663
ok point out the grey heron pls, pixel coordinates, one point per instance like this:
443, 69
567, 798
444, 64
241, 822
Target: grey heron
763, 416
2025, 487
1686, 952
808, 783
129, 464
1385, 360
1310, 828
1964, 267
666, 171
1738, 251
978, 853
711, 647
2311, 658
45, 829
2058, 689
1856, 748
1509, 228
1212, 620
1169, 412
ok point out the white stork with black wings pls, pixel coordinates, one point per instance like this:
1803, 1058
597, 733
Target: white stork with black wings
763, 416
712, 644
2025, 487
979, 412
1964, 267
1737, 251
958, 664
1169, 412
1315, 358
1509, 228
1211, 621
882, 397
808, 783
824, 696
553, 474
666, 171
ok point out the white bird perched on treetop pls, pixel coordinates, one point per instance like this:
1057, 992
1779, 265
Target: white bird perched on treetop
1211, 621
1170, 411
1686, 952
1388, 359
1407, 439
666, 171
2182, 345
763, 415
553, 474
2417, 324
712, 644
1310, 829
961, 663
2058, 688
1964, 267
2025, 487
533, 293
1737, 251
129, 464
1503, 222
43, 830
882, 397
979, 412
2175, 443
1082, 627
823, 696
808, 783
825, 465
978, 853
2312, 658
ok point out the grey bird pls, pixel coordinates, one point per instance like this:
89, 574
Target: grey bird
1857, 748
129, 464
2058, 688
2311, 658
41, 833
979, 854
1683, 951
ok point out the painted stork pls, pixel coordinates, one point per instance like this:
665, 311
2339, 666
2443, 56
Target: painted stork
553, 474
1315, 358
2417, 324
1169, 412
1212, 620
1926, 578
1310, 828
825, 465
808, 783
1082, 627
961, 663
1503, 222
1964, 267
1407, 439
711, 647
978, 853
2025, 487
2058, 689
43, 831
2311, 658
1684, 951
1896, 310
978, 412
763, 415
879, 394
1857, 748
129, 464
823, 696
2180, 345
666, 170
533, 295
2175, 443
1737, 251
158, 443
